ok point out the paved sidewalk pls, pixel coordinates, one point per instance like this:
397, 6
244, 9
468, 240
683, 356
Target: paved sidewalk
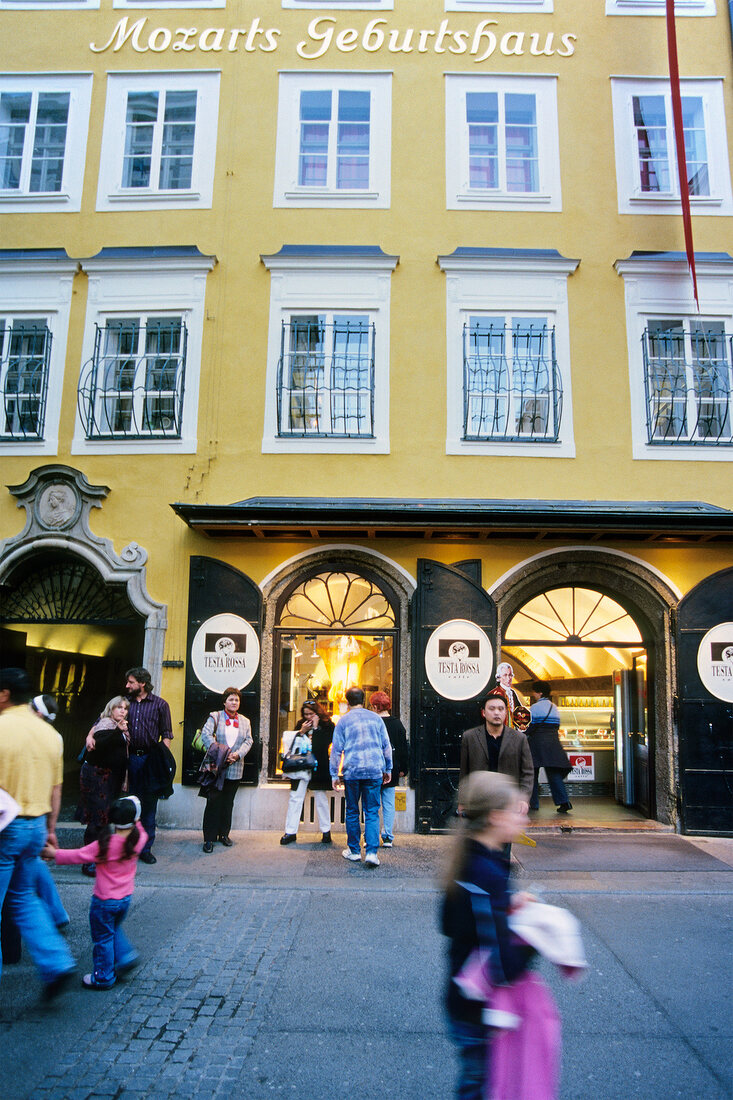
272, 971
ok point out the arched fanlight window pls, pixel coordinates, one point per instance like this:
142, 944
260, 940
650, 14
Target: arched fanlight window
339, 601
573, 616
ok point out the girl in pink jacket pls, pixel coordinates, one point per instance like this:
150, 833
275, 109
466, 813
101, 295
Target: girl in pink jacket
115, 853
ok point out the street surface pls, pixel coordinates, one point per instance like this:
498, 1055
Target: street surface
288, 972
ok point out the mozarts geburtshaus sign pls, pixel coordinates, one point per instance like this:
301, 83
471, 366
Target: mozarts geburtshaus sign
323, 37
715, 661
459, 659
225, 652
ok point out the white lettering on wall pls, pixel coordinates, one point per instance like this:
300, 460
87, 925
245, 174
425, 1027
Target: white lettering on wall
323, 35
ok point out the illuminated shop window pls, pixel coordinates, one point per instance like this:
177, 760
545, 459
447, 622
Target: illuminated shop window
573, 616
333, 140
646, 162
159, 141
502, 147
43, 133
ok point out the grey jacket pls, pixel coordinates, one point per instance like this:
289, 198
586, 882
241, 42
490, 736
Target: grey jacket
214, 730
515, 758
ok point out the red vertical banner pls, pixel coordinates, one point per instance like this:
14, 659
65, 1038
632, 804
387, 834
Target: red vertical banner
679, 137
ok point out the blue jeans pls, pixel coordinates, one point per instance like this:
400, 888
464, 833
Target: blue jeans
20, 845
148, 802
557, 787
112, 950
49, 895
388, 811
472, 1041
368, 791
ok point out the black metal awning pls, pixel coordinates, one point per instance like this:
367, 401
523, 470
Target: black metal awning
329, 518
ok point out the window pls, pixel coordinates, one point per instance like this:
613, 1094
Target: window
646, 163
340, 5
512, 389
40, 5
502, 143
35, 292
25, 348
500, 5
134, 384
508, 373
139, 382
159, 141
326, 376
43, 132
688, 382
680, 368
328, 350
658, 7
333, 140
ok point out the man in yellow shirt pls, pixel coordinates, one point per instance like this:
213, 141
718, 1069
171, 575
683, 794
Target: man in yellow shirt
31, 771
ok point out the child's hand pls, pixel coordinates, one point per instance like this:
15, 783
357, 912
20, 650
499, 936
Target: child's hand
47, 853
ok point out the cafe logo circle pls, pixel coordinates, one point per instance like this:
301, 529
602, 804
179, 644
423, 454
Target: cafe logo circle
459, 659
715, 661
225, 652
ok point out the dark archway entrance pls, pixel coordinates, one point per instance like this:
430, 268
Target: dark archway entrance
75, 635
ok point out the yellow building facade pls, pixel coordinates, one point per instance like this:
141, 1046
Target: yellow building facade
368, 325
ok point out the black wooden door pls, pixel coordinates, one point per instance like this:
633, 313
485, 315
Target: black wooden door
705, 722
444, 593
214, 588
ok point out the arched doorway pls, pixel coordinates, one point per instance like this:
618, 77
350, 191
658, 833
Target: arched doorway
596, 624
336, 625
75, 634
588, 647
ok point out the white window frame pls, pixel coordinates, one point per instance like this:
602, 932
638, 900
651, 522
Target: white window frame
631, 199
79, 86
329, 283
288, 192
179, 5
110, 194
495, 284
658, 7
338, 5
145, 285
522, 6
40, 288
459, 196
47, 5
659, 288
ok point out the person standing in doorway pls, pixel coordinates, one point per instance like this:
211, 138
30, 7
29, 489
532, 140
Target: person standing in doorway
496, 747
381, 704
148, 722
367, 764
547, 752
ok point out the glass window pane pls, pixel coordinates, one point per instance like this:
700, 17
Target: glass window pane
650, 120
47, 166
693, 124
179, 129
315, 106
522, 166
354, 106
142, 114
15, 111
482, 107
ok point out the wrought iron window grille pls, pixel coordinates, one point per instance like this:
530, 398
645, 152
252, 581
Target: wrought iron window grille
133, 386
688, 384
25, 356
512, 387
325, 378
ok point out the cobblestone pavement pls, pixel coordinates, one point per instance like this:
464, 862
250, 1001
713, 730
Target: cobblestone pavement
271, 971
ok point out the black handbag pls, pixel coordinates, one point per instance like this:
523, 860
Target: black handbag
298, 761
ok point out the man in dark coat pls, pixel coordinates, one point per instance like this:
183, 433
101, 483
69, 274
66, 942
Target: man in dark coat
496, 747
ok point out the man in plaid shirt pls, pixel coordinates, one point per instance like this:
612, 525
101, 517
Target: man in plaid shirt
362, 737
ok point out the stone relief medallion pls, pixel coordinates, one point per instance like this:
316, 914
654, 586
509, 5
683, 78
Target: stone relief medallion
56, 507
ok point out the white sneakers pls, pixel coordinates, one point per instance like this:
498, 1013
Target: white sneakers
355, 857
371, 859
